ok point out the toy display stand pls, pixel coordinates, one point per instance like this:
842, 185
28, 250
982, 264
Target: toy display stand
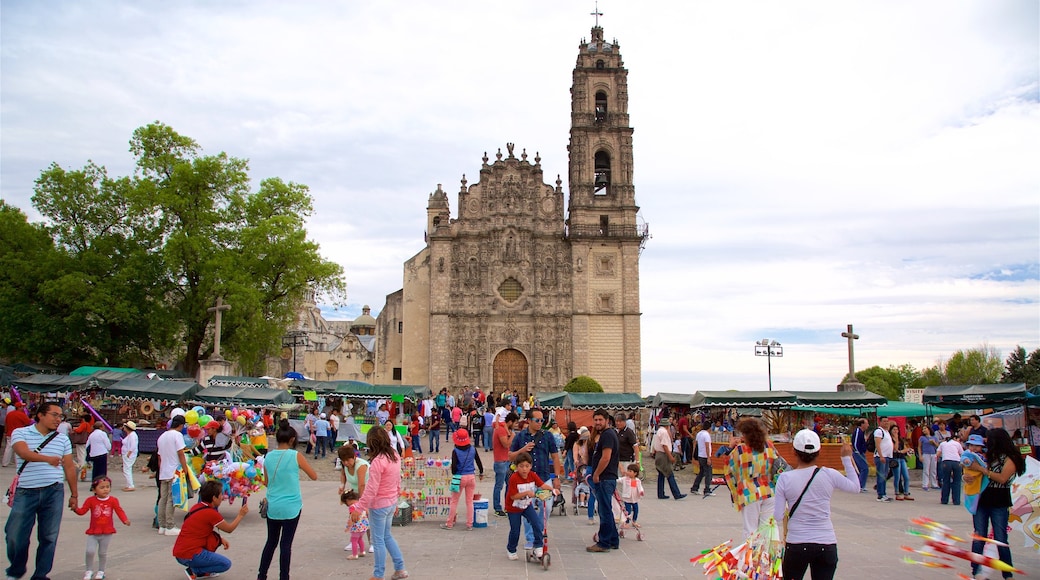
425, 483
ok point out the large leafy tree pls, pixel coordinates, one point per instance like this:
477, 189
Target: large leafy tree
180, 232
1022, 368
981, 365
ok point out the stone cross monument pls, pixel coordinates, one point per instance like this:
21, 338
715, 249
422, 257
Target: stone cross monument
850, 383
220, 308
215, 364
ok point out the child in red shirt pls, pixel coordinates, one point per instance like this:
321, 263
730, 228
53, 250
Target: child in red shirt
101, 506
519, 504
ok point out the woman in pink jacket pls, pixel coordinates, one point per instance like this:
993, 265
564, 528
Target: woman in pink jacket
380, 501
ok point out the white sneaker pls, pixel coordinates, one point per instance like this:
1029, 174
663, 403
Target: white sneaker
538, 552
88, 575
346, 548
173, 531
512, 556
99, 576
371, 549
162, 531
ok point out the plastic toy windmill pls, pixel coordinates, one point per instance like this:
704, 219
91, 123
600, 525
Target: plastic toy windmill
759, 557
943, 552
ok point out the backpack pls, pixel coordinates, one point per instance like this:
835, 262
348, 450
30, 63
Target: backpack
478, 421
871, 444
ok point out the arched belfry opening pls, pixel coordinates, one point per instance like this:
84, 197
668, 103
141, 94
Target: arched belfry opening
602, 168
601, 106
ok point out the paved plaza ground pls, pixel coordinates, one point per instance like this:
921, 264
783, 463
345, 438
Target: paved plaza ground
869, 537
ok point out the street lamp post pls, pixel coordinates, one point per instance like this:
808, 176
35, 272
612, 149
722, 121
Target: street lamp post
769, 349
294, 338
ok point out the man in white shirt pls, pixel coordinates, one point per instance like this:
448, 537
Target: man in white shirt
171, 454
131, 447
664, 461
883, 448
703, 443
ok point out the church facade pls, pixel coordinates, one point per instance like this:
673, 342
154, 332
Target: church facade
508, 293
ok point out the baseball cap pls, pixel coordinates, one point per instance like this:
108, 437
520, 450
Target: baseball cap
322, 415
807, 441
583, 433
976, 440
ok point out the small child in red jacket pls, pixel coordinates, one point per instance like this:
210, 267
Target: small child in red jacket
102, 525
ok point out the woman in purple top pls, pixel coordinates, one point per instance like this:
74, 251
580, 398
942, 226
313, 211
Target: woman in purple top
807, 491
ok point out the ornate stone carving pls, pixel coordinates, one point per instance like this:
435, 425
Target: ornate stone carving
605, 265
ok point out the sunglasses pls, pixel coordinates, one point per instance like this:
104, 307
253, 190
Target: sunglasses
537, 420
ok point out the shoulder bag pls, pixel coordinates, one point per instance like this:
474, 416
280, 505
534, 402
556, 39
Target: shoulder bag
9, 496
262, 507
790, 512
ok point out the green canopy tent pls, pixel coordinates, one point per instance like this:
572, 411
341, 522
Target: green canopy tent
244, 396
671, 399
840, 400
976, 396
64, 383
612, 401
320, 387
550, 400
232, 381
743, 399
35, 369
367, 391
140, 388
87, 371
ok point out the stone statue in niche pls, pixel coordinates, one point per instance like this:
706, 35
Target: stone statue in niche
472, 273
510, 251
579, 266
548, 358
471, 358
549, 275
440, 265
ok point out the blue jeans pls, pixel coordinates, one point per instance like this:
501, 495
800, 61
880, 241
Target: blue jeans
529, 534
861, 466
998, 516
206, 562
379, 520
902, 478
488, 434
532, 519
319, 446
280, 533
501, 478
633, 510
881, 465
568, 464
604, 492
950, 473
435, 439
417, 443
43, 505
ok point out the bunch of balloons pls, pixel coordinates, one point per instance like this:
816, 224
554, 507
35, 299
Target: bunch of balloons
238, 478
241, 417
197, 416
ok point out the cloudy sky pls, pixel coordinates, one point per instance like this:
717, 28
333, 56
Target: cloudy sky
802, 165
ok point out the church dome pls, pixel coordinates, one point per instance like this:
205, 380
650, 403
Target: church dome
365, 319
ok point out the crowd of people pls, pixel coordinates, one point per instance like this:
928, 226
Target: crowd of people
967, 461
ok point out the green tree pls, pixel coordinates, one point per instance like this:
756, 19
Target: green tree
180, 232
1022, 368
974, 366
884, 382
583, 384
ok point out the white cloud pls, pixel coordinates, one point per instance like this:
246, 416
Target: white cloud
802, 165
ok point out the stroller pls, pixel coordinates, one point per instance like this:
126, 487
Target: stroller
623, 518
544, 496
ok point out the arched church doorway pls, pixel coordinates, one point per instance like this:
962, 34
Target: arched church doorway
510, 372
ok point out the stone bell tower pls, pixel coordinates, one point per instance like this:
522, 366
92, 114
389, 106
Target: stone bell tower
602, 227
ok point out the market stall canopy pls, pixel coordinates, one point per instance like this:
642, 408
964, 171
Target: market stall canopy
245, 396
152, 389
323, 387
34, 369
6, 377
420, 391
243, 382
603, 401
975, 396
362, 390
743, 399
671, 399
87, 371
846, 400
550, 400
64, 383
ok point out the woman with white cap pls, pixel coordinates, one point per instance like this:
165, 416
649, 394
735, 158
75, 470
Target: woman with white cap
805, 494
129, 453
